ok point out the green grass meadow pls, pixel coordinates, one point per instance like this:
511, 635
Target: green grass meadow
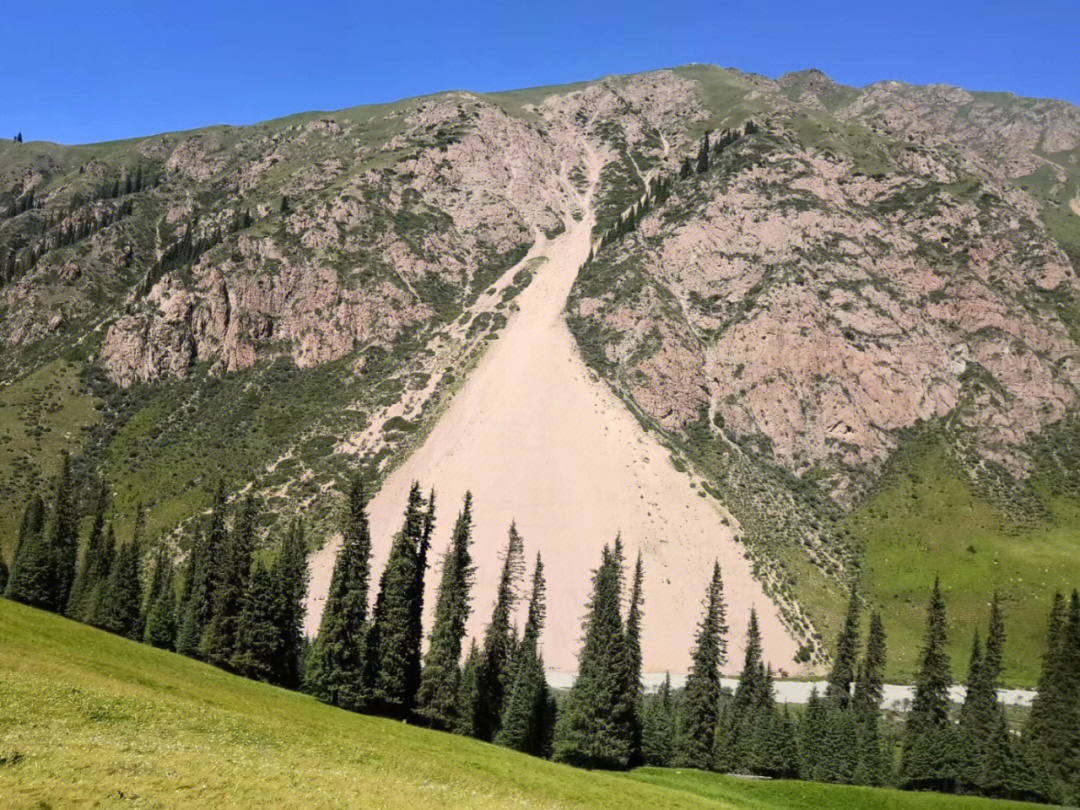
928, 521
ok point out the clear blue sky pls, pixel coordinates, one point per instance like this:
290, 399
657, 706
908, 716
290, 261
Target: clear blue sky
83, 72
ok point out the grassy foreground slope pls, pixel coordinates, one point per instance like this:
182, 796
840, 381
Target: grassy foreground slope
91, 720
794, 795
88, 719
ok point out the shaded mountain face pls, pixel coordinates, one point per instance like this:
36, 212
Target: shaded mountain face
276, 304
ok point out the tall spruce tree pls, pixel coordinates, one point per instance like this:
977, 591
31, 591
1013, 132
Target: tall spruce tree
750, 707
838, 688
335, 669
633, 658
997, 761
467, 694
33, 521
97, 594
160, 628
89, 566
1043, 705
700, 705
44, 567
528, 719
703, 155
220, 641
871, 768
120, 606
1055, 733
812, 730
63, 539
202, 579
30, 577
396, 637
493, 676
775, 754
438, 699
289, 583
931, 749
588, 732
257, 636
160, 572
658, 727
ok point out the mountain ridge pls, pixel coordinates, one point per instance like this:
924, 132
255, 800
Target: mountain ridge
281, 301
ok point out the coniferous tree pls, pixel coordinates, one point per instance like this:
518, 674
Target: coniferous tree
160, 627
1032, 780
335, 670
33, 522
775, 753
3, 574
161, 570
872, 768
258, 639
396, 642
468, 695
838, 689
289, 582
97, 593
88, 567
997, 769
686, 169
1062, 744
588, 732
120, 605
840, 746
30, 577
202, 580
700, 705
63, 538
979, 714
438, 699
1043, 706
750, 706
633, 657
931, 751
971, 722
703, 155
812, 730
493, 676
658, 727
528, 719
219, 642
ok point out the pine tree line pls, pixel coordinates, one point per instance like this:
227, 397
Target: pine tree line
232, 609
241, 608
370, 660
660, 187
188, 248
64, 229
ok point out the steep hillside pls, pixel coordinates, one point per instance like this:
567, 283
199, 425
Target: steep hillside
830, 290
868, 272
88, 719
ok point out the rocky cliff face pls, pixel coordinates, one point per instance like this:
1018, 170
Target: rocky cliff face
795, 298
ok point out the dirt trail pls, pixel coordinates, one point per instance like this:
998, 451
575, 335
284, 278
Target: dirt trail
539, 440
1074, 204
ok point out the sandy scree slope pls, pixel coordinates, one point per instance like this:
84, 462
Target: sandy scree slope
540, 441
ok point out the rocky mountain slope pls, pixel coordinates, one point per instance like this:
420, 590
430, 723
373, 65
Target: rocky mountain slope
871, 273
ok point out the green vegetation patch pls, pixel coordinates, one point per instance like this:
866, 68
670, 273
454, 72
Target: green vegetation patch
928, 519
